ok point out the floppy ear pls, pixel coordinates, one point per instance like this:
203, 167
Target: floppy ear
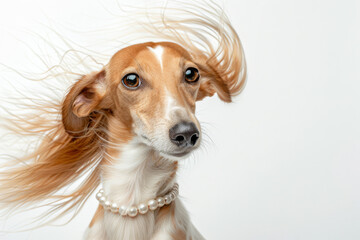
84, 97
223, 75
222, 65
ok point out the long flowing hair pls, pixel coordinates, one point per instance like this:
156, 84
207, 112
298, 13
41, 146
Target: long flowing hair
61, 171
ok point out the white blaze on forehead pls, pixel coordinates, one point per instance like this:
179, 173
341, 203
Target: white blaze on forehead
158, 52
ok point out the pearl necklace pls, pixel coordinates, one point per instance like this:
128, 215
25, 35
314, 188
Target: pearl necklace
142, 208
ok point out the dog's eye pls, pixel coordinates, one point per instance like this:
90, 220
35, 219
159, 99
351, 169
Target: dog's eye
192, 75
131, 81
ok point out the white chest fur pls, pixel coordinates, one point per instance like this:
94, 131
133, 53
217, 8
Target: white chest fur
135, 175
132, 176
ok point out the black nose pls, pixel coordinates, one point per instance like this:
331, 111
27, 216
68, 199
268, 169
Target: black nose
184, 134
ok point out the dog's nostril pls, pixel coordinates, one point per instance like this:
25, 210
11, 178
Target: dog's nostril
184, 134
194, 139
180, 138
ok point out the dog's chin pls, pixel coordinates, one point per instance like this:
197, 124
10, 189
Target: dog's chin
175, 156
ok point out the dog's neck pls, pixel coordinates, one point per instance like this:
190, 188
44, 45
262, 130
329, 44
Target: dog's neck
136, 173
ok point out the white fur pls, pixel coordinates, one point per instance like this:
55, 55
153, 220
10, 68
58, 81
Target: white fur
158, 52
172, 108
96, 232
183, 222
136, 175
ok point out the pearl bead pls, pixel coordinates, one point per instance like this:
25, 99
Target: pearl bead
160, 201
132, 211
123, 210
99, 195
173, 196
114, 207
143, 208
102, 200
167, 199
107, 204
169, 196
153, 204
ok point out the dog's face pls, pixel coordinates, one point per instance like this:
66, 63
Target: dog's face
158, 85
150, 90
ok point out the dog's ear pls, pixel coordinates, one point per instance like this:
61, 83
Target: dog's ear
222, 66
85, 97
225, 76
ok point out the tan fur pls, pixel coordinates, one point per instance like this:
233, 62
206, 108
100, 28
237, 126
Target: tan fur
99, 116
99, 214
157, 80
179, 234
165, 212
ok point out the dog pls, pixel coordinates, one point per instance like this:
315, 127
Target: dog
128, 125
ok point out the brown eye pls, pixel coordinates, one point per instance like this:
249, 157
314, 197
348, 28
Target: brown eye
131, 81
192, 75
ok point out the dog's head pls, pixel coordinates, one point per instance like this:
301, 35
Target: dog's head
148, 90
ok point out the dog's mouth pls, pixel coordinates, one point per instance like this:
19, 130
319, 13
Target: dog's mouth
180, 154
175, 155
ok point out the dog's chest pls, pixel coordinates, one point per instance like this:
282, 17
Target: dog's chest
118, 227
134, 177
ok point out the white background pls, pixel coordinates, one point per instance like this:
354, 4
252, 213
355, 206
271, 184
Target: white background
283, 162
